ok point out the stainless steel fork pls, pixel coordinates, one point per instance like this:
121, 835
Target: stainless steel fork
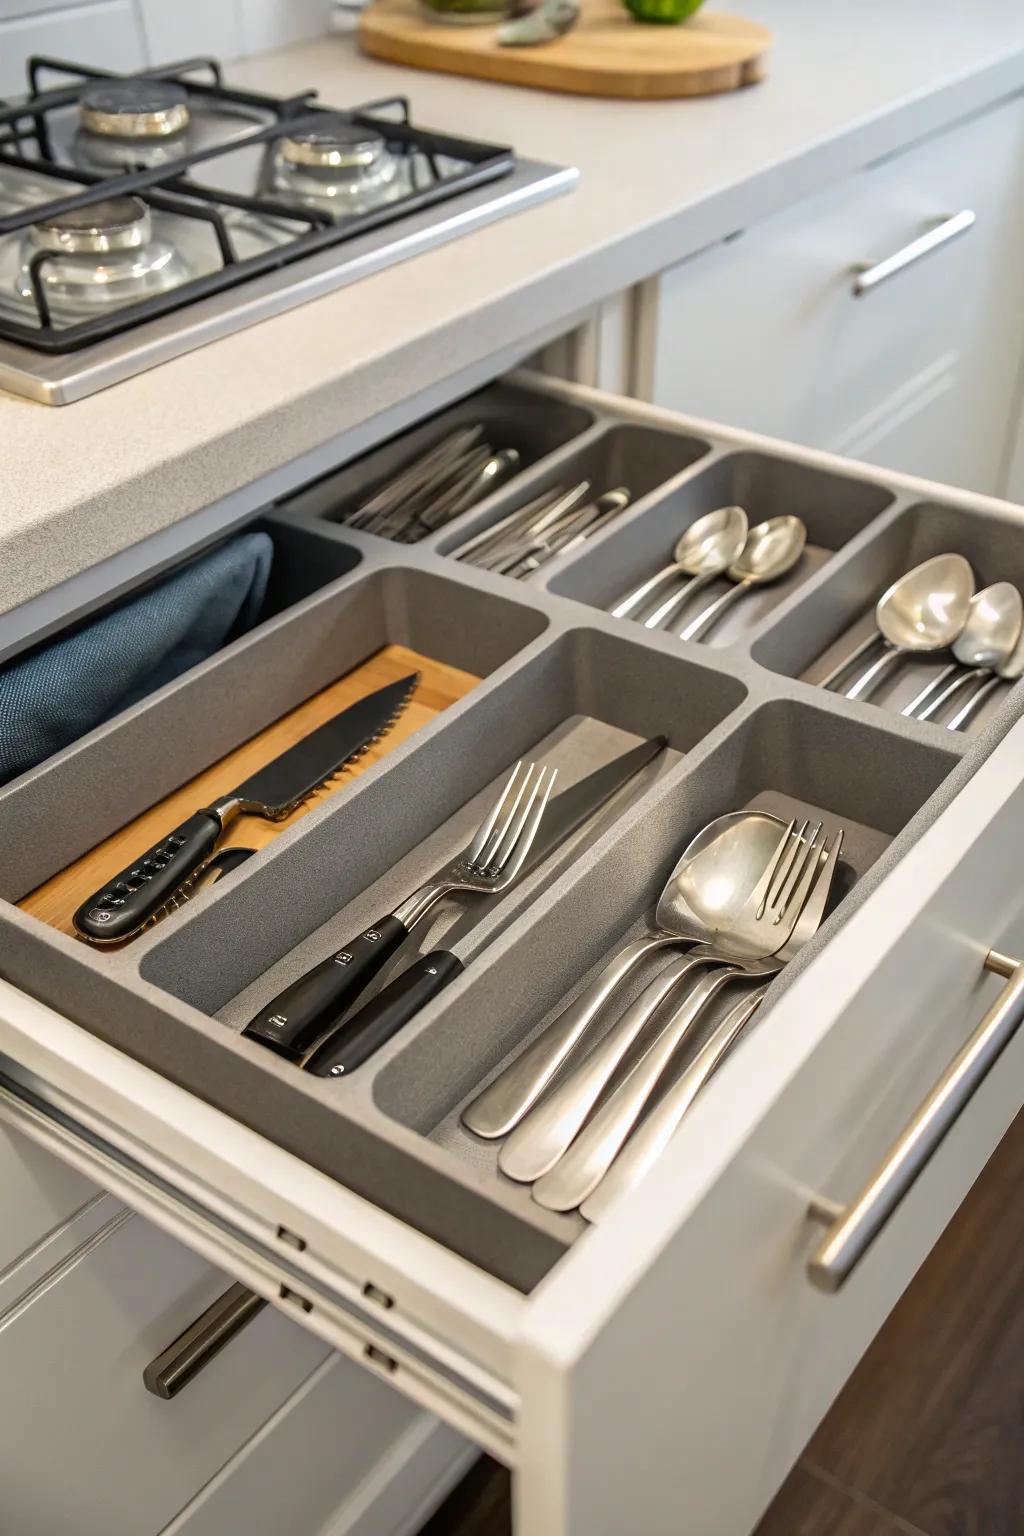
587, 1159
544, 1134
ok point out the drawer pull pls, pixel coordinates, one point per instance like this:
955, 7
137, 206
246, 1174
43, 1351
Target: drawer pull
872, 273
182, 1361
853, 1228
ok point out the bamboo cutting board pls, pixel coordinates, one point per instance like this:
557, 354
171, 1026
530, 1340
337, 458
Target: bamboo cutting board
57, 901
608, 53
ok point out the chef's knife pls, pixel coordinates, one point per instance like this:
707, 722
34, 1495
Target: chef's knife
346, 1047
140, 893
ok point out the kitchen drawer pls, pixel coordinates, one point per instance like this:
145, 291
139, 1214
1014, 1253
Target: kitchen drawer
83, 1445
661, 1370
921, 373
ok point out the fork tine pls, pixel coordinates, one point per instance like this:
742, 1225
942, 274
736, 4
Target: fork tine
485, 860
507, 847
794, 864
479, 842
530, 827
783, 867
763, 886
803, 874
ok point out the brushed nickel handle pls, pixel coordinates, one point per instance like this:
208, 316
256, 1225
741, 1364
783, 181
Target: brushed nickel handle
183, 1359
853, 1228
871, 274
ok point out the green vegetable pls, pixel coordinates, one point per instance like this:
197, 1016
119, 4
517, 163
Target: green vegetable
663, 11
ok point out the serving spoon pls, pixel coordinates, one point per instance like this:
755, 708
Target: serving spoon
925, 610
702, 552
771, 551
1009, 672
701, 900
985, 643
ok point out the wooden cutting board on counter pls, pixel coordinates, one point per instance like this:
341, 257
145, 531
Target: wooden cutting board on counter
440, 685
608, 53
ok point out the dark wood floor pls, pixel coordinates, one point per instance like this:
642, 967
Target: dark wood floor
927, 1438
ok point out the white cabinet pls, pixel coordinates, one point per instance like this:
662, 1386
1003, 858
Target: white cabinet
921, 373
671, 1363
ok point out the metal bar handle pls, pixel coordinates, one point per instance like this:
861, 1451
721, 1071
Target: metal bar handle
872, 273
182, 1360
853, 1228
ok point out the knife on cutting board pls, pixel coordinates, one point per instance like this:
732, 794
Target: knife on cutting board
140, 893
365, 1031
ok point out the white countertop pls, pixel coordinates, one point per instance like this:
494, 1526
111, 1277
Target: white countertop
848, 80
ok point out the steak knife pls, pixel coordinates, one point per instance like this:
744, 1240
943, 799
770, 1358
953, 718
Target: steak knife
365, 1031
140, 893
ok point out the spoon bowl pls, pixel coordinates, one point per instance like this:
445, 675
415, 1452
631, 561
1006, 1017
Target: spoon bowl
771, 551
986, 642
702, 552
925, 610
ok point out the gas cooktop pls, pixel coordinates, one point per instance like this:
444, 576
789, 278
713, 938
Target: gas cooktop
143, 215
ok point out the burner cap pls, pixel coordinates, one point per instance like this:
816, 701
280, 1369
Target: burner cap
134, 109
116, 224
334, 144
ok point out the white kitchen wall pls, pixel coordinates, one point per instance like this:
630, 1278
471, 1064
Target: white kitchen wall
128, 34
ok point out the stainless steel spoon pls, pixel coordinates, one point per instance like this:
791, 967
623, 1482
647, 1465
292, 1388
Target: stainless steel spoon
702, 552
1009, 672
771, 551
924, 611
987, 640
701, 900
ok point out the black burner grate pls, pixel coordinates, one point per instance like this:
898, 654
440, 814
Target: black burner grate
26, 145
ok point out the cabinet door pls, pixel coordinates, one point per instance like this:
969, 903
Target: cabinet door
918, 374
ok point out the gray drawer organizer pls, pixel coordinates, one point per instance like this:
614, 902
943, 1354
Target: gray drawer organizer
560, 678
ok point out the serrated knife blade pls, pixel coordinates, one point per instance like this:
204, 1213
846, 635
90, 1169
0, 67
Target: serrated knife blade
154, 883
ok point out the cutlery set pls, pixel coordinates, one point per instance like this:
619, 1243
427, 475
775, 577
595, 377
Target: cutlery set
436, 487
555, 523
589, 1105
718, 546
935, 609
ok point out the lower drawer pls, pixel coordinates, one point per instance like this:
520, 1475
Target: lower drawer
83, 1446
38, 1195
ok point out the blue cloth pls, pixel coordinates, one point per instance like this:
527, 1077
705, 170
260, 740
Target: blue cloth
66, 689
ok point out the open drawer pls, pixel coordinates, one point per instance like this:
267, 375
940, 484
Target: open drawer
661, 1370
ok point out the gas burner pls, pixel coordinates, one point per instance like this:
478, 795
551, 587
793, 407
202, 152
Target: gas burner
338, 166
134, 109
103, 254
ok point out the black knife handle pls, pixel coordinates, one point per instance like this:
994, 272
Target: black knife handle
297, 1017
384, 1015
126, 903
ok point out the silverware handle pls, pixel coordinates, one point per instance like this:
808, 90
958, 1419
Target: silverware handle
849, 661
713, 612
633, 600
503, 1103
966, 710
928, 691
578, 1173
675, 600
965, 677
873, 674
853, 1228
870, 275
182, 1360
657, 1129
541, 1138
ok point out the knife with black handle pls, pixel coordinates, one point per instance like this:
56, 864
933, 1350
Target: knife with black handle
160, 876
297, 1016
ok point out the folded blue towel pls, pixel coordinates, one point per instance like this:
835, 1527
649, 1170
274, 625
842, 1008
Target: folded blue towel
57, 694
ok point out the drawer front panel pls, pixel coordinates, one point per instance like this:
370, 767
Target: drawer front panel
38, 1195
919, 374
83, 1445
749, 1350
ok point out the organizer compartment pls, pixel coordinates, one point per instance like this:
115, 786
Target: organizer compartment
834, 509
639, 459
823, 630
512, 417
72, 802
